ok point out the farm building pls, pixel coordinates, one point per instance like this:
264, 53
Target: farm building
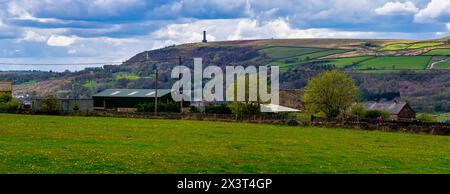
6, 87
397, 110
126, 100
65, 105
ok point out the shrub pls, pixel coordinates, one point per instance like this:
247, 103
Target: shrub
162, 107
50, 104
5, 97
373, 114
193, 109
218, 109
245, 108
426, 118
9, 107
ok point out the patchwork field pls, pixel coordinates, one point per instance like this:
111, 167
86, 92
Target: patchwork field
343, 62
445, 52
402, 46
284, 52
52, 144
395, 63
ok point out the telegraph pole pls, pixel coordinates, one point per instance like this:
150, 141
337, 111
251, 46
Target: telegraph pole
156, 89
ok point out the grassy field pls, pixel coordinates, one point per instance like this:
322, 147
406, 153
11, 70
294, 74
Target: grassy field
51, 144
287, 63
394, 47
343, 62
402, 46
438, 52
424, 44
283, 52
396, 63
443, 65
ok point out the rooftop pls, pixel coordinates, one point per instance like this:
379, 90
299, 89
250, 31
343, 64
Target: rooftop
136, 93
391, 107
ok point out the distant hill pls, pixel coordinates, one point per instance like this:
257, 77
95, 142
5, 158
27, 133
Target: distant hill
378, 66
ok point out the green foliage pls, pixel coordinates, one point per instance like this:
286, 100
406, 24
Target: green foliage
193, 109
218, 109
400, 62
38, 144
330, 92
373, 114
10, 106
50, 104
162, 107
245, 108
4, 97
425, 117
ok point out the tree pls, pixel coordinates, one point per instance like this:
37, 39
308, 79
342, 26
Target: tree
330, 92
50, 104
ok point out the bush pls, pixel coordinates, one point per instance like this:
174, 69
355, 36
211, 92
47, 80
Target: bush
9, 107
172, 107
218, 109
373, 114
50, 104
245, 108
5, 97
426, 118
193, 109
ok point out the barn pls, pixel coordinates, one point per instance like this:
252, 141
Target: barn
126, 100
398, 110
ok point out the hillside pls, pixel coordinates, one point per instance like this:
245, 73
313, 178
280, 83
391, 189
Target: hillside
416, 71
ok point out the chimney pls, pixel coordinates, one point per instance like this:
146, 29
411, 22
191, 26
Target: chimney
204, 37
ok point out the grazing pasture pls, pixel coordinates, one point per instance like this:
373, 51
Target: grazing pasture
439, 52
56, 144
395, 63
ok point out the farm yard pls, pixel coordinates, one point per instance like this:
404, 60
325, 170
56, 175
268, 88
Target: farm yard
402, 46
55, 144
444, 52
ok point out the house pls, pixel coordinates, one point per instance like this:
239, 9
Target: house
6, 87
397, 110
126, 100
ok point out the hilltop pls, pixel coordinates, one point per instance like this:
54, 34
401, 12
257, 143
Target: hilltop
383, 68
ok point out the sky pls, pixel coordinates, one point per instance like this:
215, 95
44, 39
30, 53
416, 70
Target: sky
82, 31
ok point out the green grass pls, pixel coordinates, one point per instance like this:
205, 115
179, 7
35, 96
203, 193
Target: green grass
52, 144
442, 116
283, 52
443, 65
438, 52
394, 47
343, 62
298, 60
90, 84
402, 46
126, 76
396, 63
425, 44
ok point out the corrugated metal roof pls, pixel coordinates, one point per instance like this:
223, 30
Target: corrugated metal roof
137, 93
391, 107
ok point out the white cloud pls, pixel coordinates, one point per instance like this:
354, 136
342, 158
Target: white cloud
33, 37
56, 40
448, 26
241, 29
397, 8
434, 10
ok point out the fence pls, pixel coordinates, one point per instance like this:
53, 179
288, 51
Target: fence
403, 126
